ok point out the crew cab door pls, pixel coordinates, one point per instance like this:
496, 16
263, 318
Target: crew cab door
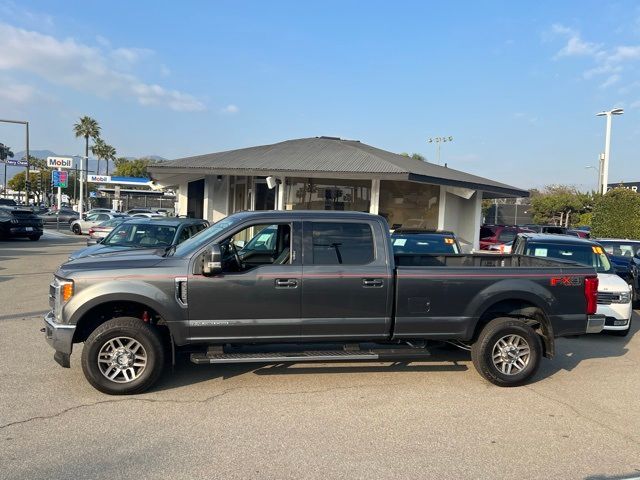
347, 282
259, 300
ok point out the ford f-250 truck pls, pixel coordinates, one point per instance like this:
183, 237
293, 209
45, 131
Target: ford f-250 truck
297, 286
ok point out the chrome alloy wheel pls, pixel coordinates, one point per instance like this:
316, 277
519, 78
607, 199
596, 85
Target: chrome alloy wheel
122, 359
511, 354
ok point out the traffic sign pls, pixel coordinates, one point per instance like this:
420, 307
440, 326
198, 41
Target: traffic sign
60, 162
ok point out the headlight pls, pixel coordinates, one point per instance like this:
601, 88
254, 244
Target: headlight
624, 297
63, 291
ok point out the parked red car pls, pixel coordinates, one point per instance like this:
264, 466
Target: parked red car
498, 234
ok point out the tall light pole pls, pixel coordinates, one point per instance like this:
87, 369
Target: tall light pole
82, 180
607, 145
438, 141
26, 180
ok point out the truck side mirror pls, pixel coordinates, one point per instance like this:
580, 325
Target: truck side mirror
212, 261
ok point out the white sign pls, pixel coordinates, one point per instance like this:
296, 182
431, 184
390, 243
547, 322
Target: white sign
100, 178
60, 162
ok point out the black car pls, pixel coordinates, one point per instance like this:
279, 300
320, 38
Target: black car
437, 242
63, 216
19, 223
625, 255
142, 232
8, 202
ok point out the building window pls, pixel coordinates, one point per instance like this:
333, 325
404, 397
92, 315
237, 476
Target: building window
409, 204
327, 194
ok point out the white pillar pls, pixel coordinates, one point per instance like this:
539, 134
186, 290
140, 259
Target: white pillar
374, 203
477, 220
441, 207
280, 194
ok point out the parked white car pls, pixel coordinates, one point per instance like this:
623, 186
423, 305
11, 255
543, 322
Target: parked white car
82, 225
614, 293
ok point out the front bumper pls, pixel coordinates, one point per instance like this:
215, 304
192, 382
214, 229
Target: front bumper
59, 336
617, 315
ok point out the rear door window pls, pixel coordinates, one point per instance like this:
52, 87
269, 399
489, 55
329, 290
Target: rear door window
487, 232
342, 243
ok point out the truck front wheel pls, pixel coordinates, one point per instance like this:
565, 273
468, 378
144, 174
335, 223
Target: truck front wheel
123, 356
507, 352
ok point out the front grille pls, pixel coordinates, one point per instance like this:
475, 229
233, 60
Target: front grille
607, 298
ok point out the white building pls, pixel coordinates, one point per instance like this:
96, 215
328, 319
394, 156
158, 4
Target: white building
327, 173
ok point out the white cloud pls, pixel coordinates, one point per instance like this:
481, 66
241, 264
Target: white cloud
230, 109
85, 68
610, 62
130, 55
575, 46
611, 80
17, 93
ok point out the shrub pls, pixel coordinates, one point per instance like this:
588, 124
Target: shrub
617, 214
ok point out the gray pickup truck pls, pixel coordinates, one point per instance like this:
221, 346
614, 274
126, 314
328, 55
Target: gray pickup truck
310, 286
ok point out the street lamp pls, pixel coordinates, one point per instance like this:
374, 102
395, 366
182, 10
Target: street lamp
438, 141
607, 145
82, 180
598, 173
26, 181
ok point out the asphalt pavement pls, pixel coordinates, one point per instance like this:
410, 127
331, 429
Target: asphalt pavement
579, 418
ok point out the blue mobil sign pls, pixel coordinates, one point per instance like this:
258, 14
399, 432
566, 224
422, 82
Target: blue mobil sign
119, 180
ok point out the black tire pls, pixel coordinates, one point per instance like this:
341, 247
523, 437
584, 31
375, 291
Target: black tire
482, 351
35, 238
76, 229
131, 328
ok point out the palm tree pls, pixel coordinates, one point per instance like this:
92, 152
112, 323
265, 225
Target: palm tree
103, 151
109, 155
98, 151
87, 127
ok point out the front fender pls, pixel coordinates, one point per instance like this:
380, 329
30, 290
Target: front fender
160, 298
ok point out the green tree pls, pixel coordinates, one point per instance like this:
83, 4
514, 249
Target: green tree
132, 168
88, 128
555, 203
103, 151
5, 152
617, 214
415, 156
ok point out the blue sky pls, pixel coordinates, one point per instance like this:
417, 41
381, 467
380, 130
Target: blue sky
517, 84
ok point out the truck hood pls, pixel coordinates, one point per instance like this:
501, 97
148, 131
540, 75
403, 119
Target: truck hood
610, 282
124, 259
101, 250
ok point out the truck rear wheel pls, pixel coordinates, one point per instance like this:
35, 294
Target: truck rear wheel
507, 352
123, 356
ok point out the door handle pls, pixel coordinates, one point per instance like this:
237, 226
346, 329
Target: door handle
286, 283
372, 282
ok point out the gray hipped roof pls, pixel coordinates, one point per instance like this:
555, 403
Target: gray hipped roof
332, 156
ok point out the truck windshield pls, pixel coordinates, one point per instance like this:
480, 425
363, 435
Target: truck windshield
591, 255
194, 243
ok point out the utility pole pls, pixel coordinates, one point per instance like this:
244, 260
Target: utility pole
438, 141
